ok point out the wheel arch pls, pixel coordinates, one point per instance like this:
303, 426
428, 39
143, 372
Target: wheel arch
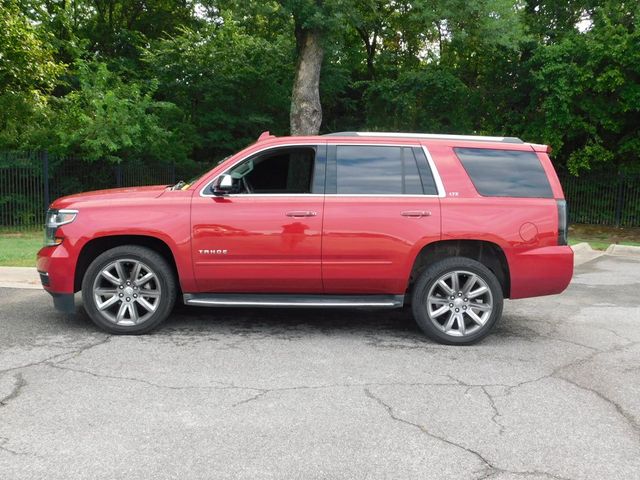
96, 246
489, 254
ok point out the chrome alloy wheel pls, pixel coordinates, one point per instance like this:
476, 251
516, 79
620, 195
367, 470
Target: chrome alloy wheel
126, 292
459, 303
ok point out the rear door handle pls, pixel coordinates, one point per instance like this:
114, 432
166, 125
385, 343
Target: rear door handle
415, 213
305, 213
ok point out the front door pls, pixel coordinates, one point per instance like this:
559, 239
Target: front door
265, 237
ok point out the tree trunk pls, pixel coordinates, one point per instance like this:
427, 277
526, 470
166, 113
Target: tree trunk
306, 111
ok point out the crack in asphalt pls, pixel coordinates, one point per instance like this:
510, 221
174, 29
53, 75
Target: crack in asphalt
19, 384
490, 469
261, 391
219, 386
3, 448
389, 409
496, 412
628, 417
251, 399
72, 354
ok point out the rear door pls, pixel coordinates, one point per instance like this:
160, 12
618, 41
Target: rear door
381, 201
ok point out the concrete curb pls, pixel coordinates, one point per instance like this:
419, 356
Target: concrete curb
583, 253
623, 250
19, 277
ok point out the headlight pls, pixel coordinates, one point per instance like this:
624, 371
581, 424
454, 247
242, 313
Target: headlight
55, 219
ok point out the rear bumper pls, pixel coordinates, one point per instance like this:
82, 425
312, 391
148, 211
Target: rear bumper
540, 271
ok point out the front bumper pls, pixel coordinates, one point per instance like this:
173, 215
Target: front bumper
56, 268
540, 271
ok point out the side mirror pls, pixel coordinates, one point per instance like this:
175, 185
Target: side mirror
223, 185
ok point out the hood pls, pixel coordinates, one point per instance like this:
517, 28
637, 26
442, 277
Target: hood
119, 195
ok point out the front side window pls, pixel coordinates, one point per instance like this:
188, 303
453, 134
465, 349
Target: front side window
377, 170
285, 170
505, 173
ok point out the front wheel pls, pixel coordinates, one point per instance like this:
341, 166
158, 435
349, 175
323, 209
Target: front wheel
128, 290
457, 301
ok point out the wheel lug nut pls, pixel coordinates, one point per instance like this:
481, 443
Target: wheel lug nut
459, 294
451, 304
464, 307
457, 310
136, 296
128, 299
466, 299
121, 295
452, 297
121, 286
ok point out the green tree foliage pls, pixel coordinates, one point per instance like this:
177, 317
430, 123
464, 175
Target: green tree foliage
28, 72
585, 98
230, 84
108, 118
27, 60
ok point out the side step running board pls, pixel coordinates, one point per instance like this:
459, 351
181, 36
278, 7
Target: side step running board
283, 301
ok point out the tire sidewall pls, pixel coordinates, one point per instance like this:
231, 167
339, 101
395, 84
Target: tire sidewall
151, 259
431, 275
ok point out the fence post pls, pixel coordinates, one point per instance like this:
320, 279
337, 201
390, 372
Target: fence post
619, 199
118, 172
173, 173
45, 179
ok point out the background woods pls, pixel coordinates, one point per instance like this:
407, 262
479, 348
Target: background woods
161, 81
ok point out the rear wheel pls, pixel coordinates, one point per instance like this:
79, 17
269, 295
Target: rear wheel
128, 290
457, 301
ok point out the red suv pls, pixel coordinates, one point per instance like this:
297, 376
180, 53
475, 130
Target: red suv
448, 224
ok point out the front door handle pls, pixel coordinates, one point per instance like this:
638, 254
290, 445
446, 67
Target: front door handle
415, 213
302, 213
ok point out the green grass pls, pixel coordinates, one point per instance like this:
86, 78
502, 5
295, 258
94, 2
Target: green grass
594, 244
600, 236
19, 249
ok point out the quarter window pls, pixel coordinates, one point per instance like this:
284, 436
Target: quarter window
505, 173
377, 170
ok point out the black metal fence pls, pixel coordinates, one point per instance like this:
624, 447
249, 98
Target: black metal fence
30, 181
603, 198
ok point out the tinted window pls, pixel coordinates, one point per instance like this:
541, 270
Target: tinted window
505, 173
428, 182
377, 170
282, 171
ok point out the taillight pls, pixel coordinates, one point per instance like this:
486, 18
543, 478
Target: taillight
563, 227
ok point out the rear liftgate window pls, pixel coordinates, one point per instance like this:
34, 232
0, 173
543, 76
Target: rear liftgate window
505, 173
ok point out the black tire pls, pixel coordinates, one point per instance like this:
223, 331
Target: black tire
435, 328
164, 282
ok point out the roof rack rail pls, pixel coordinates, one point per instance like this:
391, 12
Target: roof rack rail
430, 136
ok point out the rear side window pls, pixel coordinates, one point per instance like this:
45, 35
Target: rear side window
505, 173
377, 170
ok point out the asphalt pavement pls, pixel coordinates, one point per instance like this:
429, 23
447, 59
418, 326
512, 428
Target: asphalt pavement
554, 393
